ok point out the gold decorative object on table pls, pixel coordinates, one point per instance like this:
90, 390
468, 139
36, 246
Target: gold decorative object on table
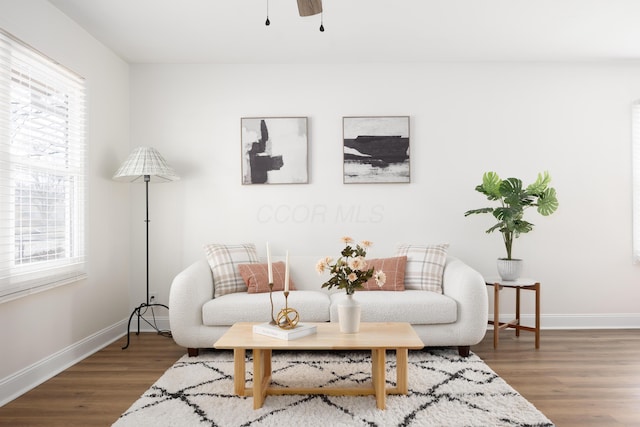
273, 321
288, 317
270, 273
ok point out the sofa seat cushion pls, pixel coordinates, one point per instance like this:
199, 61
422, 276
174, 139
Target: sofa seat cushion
313, 306
415, 307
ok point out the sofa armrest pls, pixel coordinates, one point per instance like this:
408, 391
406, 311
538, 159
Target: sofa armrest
467, 287
190, 290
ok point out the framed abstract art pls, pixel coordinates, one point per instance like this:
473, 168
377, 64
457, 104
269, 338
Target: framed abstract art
376, 149
274, 150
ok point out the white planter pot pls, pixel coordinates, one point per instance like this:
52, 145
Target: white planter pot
349, 315
509, 269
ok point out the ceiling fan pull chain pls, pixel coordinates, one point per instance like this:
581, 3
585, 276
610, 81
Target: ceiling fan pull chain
322, 22
267, 22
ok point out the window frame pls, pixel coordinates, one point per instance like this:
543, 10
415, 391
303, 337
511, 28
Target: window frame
53, 144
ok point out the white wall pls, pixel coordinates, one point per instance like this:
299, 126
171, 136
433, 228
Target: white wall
466, 118
41, 332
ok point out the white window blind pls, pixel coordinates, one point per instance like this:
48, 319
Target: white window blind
42, 171
635, 160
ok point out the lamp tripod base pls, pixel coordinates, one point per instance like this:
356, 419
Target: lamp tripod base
139, 311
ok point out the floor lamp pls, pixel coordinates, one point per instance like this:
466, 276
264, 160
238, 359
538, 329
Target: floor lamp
145, 164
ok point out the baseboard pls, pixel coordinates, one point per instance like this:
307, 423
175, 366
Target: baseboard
26, 379
30, 377
161, 323
578, 321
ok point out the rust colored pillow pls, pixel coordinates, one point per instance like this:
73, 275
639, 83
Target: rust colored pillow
256, 276
393, 268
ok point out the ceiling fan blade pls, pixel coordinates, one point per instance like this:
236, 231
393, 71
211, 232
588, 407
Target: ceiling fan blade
309, 7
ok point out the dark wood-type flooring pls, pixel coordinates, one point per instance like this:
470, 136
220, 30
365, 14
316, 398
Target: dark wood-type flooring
577, 378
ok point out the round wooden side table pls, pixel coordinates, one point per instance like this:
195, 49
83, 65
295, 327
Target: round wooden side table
522, 283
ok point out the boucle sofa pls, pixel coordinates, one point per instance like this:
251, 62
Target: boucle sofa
455, 317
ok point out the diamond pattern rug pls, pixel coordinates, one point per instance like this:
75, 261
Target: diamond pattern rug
444, 390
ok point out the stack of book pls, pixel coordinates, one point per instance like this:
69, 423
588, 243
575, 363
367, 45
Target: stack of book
270, 330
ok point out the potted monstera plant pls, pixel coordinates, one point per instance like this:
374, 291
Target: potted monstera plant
512, 200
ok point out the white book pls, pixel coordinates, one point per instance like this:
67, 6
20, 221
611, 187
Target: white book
300, 330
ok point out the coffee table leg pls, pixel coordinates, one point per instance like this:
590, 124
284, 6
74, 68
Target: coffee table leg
374, 371
402, 370
239, 371
378, 376
261, 375
258, 378
267, 363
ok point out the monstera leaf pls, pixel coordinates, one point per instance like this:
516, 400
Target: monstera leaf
490, 186
541, 184
512, 192
548, 202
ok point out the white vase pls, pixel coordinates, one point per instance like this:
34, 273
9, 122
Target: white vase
509, 269
349, 315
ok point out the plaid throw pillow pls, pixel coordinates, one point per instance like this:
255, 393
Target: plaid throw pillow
224, 261
425, 266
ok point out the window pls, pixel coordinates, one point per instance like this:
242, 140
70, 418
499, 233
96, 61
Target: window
42, 171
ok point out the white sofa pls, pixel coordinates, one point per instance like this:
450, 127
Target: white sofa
457, 317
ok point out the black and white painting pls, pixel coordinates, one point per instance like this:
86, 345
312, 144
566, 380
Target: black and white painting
376, 149
274, 150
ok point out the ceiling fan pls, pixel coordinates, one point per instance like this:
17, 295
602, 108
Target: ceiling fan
309, 7
305, 8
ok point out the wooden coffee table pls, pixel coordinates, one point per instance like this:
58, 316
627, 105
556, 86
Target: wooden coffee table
377, 337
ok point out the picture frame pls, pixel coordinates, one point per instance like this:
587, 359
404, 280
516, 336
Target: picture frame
376, 149
274, 150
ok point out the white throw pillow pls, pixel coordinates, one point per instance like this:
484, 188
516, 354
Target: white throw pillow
425, 266
224, 260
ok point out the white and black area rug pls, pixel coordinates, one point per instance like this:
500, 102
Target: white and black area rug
444, 390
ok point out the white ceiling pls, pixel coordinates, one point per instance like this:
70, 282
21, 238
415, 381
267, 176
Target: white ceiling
357, 31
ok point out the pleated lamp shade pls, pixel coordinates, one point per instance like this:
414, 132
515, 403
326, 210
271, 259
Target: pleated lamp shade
145, 161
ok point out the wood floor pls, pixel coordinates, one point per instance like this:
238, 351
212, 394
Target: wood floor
577, 378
